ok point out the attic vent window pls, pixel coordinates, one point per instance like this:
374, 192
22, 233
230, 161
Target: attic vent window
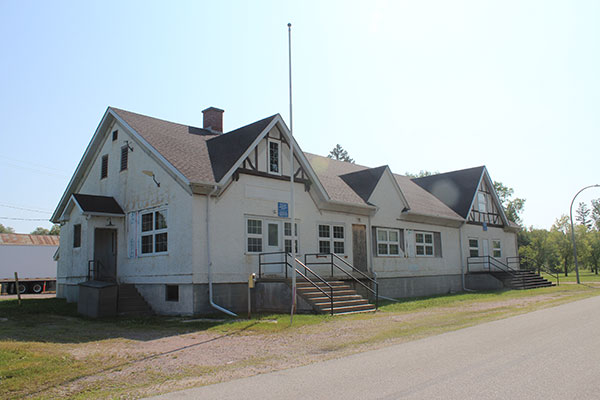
274, 158
104, 168
124, 157
115, 135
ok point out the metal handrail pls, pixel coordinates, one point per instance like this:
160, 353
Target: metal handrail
332, 257
306, 270
489, 260
535, 266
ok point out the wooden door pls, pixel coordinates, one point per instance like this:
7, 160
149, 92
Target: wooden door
105, 254
359, 247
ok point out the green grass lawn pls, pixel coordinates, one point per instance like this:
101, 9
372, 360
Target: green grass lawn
584, 276
38, 338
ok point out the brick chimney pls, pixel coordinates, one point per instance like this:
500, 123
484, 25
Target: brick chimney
213, 119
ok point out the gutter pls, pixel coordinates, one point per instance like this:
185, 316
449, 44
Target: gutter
462, 265
210, 288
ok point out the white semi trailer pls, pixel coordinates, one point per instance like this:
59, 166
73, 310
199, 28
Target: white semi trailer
32, 258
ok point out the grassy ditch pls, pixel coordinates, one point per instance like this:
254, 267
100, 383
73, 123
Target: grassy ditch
48, 351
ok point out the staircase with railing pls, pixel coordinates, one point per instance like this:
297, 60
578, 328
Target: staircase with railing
513, 278
332, 295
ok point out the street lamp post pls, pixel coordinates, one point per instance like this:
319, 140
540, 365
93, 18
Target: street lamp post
573, 231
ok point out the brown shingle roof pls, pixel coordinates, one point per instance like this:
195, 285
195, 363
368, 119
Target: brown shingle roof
28, 240
183, 146
419, 200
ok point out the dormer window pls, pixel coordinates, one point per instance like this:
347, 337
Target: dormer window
274, 157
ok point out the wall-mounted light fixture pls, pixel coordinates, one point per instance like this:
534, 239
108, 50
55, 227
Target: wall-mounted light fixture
150, 173
109, 222
128, 145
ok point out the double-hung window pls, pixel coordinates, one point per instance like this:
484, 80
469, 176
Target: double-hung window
287, 237
331, 239
482, 202
424, 244
254, 235
388, 242
473, 247
274, 157
154, 236
497, 248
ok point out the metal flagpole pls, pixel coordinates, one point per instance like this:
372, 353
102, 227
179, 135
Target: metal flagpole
292, 217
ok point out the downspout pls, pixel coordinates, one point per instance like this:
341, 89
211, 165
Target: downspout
462, 265
210, 288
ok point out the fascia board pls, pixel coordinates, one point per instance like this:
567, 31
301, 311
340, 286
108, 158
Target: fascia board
77, 176
475, 194
170, 168
101, 214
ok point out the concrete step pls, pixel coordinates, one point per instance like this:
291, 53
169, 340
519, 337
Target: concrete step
131, 302
347, 309
341, 303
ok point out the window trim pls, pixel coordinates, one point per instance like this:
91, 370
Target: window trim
424, 244
278, 142
153, 232
254, 235
482, 200
498, 248
331, 238
387, 242
473, 248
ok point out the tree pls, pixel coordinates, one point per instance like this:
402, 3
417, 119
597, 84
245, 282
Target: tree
583, 215
560, 237
512, 207
592, 258
338, 153
55, 230
6, 229
40, 231
596, 213
538, 249
421, 174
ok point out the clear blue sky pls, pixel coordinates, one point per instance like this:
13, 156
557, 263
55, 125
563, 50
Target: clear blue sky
432, 85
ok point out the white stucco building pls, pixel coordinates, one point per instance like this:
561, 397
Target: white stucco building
172, 208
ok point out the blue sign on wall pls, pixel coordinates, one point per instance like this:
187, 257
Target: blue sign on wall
485, 226
282, 210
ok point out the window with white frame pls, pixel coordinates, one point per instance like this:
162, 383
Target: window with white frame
388, 242
482, 200
424, 244
497, 248
254, 235
331, 239
274, 157
287, 237
154, 235
473, 247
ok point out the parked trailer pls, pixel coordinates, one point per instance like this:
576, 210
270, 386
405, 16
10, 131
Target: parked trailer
32, 258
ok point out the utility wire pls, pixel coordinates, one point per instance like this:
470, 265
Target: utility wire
26, 209
25, 219
36, 170
33, 164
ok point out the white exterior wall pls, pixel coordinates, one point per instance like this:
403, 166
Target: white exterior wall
389, 215
507, 238
135, 192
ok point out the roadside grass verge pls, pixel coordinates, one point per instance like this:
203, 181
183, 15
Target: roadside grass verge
38, 340
584, 276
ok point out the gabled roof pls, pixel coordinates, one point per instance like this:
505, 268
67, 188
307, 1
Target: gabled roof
364, 182
456, 189
91, 204
23, 239
330, 174
225, 150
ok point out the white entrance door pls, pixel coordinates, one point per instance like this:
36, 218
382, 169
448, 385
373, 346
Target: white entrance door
485, 249
274, 243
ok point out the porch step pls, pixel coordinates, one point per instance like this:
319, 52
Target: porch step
522, 280
130, 302
345, 299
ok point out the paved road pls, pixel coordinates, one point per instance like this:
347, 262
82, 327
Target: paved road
547, 354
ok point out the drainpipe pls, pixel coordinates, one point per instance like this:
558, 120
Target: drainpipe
462, 265
210, 288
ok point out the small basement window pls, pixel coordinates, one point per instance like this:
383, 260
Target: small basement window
172, 292
104, 168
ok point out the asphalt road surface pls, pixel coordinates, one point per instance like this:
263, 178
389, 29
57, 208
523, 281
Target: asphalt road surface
547, 354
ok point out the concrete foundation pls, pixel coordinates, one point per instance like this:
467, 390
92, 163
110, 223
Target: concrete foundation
417, 286
483, 282
97, 299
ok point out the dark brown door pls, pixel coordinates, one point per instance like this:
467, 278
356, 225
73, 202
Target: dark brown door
359, 247
105, 255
